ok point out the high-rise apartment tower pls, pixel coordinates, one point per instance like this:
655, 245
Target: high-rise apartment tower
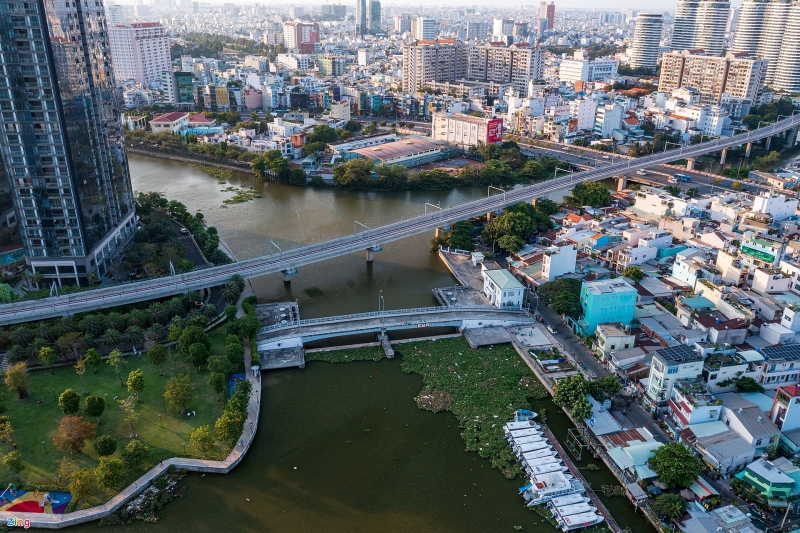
62, 144
701, 24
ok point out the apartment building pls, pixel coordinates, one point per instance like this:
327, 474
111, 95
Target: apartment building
733, 81
516, 65
140, 52
438, 60
668, 366
301, 36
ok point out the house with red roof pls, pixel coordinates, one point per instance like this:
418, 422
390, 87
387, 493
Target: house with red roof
171, 122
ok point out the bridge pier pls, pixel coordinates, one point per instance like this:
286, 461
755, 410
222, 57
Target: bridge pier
766, 145
370, 251
622, 183
690, 163
747, 148
288, 273
724, 156
489, 216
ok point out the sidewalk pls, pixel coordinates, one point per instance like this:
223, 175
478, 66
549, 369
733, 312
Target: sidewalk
55, 521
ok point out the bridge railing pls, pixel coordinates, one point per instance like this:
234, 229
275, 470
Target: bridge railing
388, 313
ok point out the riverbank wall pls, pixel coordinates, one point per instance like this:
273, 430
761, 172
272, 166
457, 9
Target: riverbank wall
197, 160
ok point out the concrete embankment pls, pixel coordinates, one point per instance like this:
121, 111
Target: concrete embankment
182, 159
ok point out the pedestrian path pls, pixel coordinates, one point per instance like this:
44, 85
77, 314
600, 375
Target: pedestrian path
57, 521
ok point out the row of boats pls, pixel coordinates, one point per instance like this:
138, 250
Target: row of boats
550, 480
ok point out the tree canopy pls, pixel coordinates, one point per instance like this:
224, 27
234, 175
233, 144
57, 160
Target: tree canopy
675, 465
591, 193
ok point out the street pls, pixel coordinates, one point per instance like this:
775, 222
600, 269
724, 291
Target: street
635, 415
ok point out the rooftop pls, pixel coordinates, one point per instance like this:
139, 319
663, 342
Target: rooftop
398, 149
170, 117
678, 354
608, 286
503, 279
788, 352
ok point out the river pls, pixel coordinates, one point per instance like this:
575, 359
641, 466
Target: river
343, 447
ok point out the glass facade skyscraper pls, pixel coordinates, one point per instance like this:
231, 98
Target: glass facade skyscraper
61, 139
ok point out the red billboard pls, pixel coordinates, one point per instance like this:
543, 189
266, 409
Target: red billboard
494, 130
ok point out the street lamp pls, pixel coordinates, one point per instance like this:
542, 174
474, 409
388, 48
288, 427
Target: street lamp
381, 302
555, 172
44, 448
489, 191
160, 424
184, 448
53, 389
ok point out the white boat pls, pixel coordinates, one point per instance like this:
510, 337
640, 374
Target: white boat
575, 508
511, 426
533, 446
545, 487
526, 440
533, 454
568, 500
517, 433
545, 469
579, 521
540, 461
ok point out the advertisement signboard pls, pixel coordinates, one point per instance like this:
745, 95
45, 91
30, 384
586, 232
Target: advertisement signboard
494, 130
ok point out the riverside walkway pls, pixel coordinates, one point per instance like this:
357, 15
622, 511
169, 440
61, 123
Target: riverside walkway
57, 521
363, 238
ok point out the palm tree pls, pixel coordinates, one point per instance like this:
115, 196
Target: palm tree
137, 317
110, 338
21, 336
44, 331
93, 325
175, 307
66, 324
191, 299
210, 311
238, 281
134, 336
37, 278
116, 321
157, 313
229, 293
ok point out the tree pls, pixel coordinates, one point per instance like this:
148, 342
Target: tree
13, 461
16, 379
202, 440
324, 134
747, 384
566, 303
135, 382
110, 472
179, 392
592, 193
192, 335
94, 406
199, 354
104, 445
571, 392
248, 326
135, 454
511, 243
581, 408
72, 434
81, 484
674, 190
670, 505
80, 369
157, 354
5, 428
69, 402
47, 356
131, 416
675, 465
115, 361
229, 426
234, 351
353, 173
736, 185
93, 358
218, 383
634, 273
219, 364
549, 290
693, 192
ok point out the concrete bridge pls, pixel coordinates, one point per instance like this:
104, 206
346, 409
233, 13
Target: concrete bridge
364, 238
289, 338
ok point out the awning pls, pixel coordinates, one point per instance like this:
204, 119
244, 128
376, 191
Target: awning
526, 487
703, 488
778, 504
645, 472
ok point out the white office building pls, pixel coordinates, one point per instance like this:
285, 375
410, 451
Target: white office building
139, 52
700, 24
582, 69
423, 29
607, 119
559, 260
584, 110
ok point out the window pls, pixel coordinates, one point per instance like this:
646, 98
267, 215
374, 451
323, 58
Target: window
673, 370
712, 414
758, 442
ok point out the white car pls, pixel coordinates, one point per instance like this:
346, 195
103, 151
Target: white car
672, 180
641, 172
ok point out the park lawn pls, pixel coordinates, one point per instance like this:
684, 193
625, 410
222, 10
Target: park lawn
36, 422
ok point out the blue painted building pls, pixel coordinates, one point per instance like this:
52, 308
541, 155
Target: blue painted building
605, 301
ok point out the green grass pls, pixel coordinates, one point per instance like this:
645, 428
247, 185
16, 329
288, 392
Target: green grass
35, 422
365, 353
